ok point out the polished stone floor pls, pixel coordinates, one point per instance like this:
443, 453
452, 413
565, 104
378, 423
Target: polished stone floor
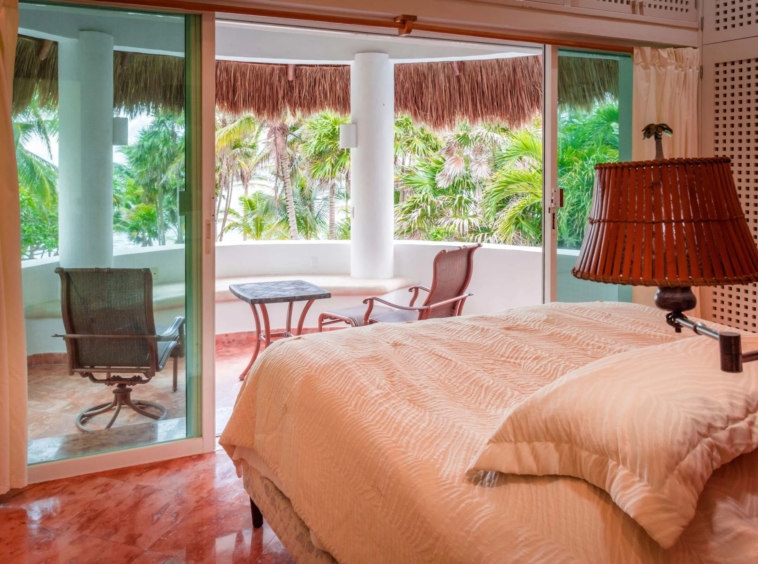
191, 510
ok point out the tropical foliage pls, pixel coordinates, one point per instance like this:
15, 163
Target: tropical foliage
38, 180
289, 179
146, 188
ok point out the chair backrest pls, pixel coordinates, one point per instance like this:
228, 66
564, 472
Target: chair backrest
451, 277
104, 302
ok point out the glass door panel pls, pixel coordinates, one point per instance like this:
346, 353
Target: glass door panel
99, 116
594, 126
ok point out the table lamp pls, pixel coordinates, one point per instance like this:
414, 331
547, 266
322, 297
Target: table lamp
674, 224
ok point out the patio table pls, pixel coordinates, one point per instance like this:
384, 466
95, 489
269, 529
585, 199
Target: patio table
284, 291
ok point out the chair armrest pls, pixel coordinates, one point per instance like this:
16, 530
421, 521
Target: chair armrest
450, 301
370, 302
415, 290
125, 337
172, 333
385, 302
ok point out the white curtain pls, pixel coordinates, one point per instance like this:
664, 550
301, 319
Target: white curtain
12, 342
666, 90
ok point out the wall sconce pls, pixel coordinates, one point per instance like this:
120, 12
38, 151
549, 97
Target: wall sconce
120, 131
348, 136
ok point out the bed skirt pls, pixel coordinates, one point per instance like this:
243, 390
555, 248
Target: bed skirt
281, 517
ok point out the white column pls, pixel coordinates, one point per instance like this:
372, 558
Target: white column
85, 154
372, 106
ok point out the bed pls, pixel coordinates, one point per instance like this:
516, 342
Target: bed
355, 445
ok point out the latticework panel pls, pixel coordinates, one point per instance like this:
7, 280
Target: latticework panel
670, 9
623, 6
726, 20
735, 134
733, 14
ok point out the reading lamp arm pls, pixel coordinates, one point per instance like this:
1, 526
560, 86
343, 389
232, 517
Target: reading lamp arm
730, 344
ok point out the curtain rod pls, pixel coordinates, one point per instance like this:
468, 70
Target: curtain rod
403, 24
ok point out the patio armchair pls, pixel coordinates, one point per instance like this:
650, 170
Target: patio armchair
110, 330
452, 271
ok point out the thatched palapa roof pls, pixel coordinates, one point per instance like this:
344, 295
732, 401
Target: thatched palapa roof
142, 83
438, 94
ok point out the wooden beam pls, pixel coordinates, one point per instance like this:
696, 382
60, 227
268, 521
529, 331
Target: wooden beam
398, 23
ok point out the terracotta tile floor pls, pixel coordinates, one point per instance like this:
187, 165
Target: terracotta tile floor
56, 398
185, 510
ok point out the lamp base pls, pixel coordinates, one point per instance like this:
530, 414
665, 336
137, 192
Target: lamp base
676, 300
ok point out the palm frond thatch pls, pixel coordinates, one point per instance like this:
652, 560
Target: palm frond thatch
435, 94
141, 82
583, 82
264, 90
34, 74
505, 91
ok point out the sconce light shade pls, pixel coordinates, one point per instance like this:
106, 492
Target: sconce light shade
120, 131
348, 136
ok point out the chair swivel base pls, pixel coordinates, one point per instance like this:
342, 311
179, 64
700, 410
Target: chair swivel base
121, 397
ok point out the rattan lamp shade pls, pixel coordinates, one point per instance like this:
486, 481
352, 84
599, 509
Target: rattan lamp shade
667, 223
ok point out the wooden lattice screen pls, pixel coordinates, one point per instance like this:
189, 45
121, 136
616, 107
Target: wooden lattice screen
730, 128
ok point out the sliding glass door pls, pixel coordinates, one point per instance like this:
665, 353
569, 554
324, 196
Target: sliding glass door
593, 125
110, 236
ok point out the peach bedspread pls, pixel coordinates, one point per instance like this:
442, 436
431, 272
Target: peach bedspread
369, 433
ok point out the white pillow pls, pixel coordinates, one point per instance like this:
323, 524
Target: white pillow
648, 426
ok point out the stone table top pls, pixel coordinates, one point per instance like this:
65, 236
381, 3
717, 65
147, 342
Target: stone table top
278, 292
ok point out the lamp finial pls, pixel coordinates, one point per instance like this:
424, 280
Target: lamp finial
657, 130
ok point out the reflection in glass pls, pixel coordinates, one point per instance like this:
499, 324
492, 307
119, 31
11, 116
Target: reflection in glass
99, 129
594, 122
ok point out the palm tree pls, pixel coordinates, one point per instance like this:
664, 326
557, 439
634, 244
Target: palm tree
470, 150
258, 218
278, 135
434, 211
326, 161
38, 180
239, 155
156, 164
412, 143
513, 198
585, 139
37, 175
311, 209
134, 214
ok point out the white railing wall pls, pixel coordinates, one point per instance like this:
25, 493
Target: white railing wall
504, 277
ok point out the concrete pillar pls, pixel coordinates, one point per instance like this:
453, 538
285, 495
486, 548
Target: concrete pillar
85, 154
372, 106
